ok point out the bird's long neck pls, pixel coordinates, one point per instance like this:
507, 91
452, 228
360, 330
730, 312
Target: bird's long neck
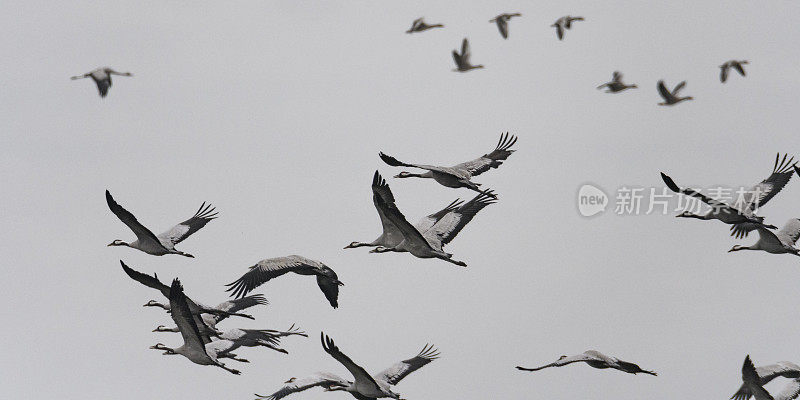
697, 216
414, 175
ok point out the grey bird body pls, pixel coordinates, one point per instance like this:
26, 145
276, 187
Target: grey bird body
594, 359
102, 78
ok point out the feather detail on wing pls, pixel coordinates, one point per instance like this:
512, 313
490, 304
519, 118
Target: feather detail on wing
400, 370
322, 379
491, 160
268, 269
446, 229
186, 228
142, 233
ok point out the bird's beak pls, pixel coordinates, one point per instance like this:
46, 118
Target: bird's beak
340, 283
154, 347
110, 244
396, 176
373, 251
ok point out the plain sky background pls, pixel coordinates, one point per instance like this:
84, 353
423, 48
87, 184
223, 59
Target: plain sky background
275, 111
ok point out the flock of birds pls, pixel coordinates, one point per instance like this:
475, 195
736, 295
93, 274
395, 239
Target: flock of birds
205, 344
561, 25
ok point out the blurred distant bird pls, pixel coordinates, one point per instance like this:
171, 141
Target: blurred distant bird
419, 25
757, 196
194, 347
429, 243
724, 68
462, 60
616, 84
767, 373
365, 387
564, 23
597, 360
270, 268
719, 210
671, 98
459, 175
392, 236
781, 242
502, 22
164, 243
102, 77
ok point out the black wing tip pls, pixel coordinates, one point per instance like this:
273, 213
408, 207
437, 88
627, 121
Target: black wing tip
670, 183
390, 160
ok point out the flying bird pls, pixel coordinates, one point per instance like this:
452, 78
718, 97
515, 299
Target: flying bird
780, 242
365, 387
754, 384
459, 175
102, 78
194, 347
759, 194
502, 22
196, 308
248, 337
462, 60
719, 210
419, 25
270, 268
164, 243
595, 359
725, 67
391, 235
616, 84
564, 23
767, 373
429, 244
671, 98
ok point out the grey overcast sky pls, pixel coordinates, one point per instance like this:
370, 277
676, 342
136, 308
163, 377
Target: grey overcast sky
275, 112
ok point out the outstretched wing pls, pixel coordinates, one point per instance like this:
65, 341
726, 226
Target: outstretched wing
236, 305
389, 160
267, 269
410, 233
739, 68
359, 373
142, 234
427, 222
564, 361
182, 315
502, 26
186, 228
397, 372
790, 232
465, 51
457, 59
767, 373
559, 30
147, 280
764, 191
751, 379
617, 77
678, 87
723, 73
663, 91
691, 192
381, 190
491, 160
322, 379
451, 224
330, 287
